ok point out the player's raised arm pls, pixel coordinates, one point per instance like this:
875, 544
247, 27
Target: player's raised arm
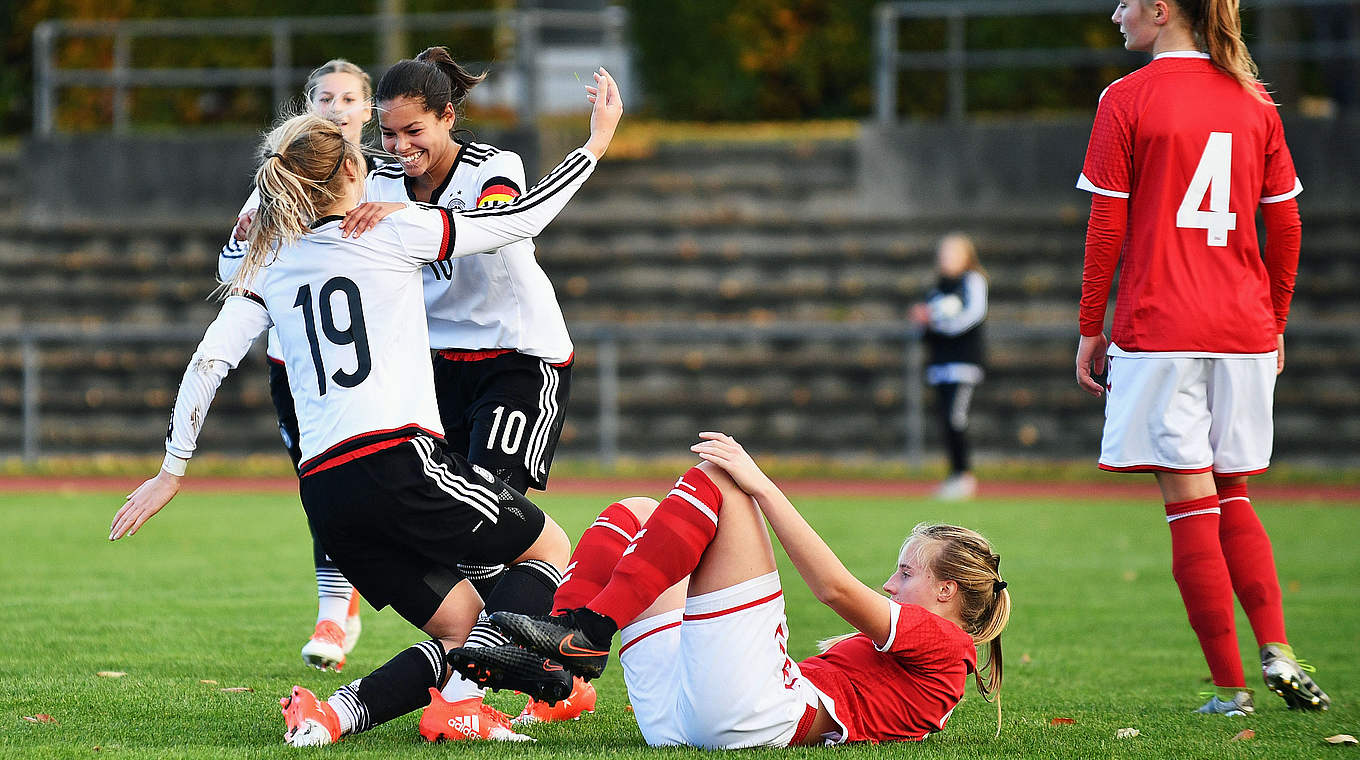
830, 581
225, 342
488, 229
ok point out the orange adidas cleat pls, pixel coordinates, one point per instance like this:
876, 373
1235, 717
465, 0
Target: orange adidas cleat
469, 718
308, 722
325, 650
353, 626
581, 701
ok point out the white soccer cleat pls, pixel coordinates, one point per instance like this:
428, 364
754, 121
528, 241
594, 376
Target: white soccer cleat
1239, 706
325, 650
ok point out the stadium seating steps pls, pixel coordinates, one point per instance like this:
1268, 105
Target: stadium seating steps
746, 235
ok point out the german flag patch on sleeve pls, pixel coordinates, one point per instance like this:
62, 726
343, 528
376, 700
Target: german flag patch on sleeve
498, 190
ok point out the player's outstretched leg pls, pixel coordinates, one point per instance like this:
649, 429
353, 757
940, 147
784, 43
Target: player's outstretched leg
1289, 678
662, 554
331, 640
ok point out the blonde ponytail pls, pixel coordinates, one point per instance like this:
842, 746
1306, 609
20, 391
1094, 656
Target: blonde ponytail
1217, 26
965, 557
299, 178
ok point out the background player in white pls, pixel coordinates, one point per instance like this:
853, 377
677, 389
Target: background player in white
394, 509
952, 319
342, 92
692, 583
1182, 153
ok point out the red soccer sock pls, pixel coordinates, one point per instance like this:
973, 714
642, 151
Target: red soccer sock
1251, 563
1206, 588
667, 549
595, 556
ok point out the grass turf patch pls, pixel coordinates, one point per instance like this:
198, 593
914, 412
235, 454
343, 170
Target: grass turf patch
219, 587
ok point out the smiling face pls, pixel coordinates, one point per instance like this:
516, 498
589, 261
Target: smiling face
1139, 23
914, 582
340, 97
420, 138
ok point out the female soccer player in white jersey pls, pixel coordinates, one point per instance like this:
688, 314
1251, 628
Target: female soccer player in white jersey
503, 356
691, 582
342, 92
1182, 153
394, 509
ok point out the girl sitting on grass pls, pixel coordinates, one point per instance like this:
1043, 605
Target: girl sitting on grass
691, 586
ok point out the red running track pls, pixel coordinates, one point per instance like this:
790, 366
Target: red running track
1113, 487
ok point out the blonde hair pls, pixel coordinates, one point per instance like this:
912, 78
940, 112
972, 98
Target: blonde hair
973, 264
299, 177
961, 555
1217, 26
338, 66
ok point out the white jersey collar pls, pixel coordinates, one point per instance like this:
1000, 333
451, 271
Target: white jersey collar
1181, 54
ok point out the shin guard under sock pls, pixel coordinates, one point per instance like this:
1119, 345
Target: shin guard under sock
1206, 588
666, 550
1251, 563
596, 554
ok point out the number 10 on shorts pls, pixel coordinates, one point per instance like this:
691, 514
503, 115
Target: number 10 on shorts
1214, 176
512, 435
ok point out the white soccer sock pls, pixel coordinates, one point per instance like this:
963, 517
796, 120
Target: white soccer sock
332, 608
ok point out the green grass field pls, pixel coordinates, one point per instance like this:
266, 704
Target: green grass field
219, 588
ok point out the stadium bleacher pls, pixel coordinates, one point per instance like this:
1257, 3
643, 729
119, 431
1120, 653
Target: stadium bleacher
751, 234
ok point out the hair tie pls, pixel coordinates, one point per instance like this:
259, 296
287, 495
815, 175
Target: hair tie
998, 587
336, 169
279, 156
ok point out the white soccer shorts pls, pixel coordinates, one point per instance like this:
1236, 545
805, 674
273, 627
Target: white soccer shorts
1189, 414
717, 674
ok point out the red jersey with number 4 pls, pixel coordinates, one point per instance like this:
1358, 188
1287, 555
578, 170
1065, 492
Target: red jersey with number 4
1195, 153
901, 691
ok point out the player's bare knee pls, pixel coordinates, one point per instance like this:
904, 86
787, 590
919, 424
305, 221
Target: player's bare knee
552, 545
719, 477
642, 507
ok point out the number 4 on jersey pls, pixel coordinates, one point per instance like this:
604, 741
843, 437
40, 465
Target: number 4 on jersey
1214, 176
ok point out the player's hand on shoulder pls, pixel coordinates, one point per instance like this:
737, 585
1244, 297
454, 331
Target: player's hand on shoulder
723, 450
242, 229
366, 216
1091, 363
144, 502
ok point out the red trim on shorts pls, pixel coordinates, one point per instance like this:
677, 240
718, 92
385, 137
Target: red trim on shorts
658, 629
804, 725
1240, 474
1156, 468
272, 360
383, 439
566, 363
353, 455
458, 355
738, 608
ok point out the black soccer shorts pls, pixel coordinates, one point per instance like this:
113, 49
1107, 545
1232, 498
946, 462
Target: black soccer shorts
503, 412
398, 521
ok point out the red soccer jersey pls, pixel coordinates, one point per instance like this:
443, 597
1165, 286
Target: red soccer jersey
903, 691
1195, 153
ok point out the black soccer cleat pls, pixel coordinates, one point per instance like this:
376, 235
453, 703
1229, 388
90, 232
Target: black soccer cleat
510, 667
557, 637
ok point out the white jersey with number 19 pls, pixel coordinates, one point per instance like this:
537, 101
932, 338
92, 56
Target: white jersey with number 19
350, 317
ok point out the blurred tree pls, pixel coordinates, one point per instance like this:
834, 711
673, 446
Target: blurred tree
753, 59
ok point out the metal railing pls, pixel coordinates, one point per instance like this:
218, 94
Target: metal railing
605, 338
283, 75
956, 60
